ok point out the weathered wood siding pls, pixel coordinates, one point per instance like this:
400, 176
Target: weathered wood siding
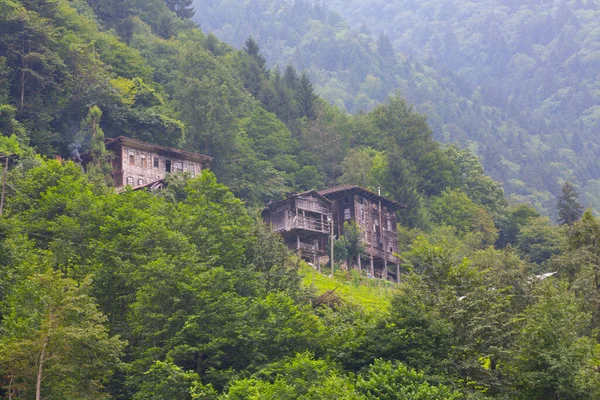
139, 167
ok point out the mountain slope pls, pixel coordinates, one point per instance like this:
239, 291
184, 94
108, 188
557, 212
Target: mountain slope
514, 82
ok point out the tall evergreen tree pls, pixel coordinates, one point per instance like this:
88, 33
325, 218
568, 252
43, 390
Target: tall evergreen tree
290, 77
252, 48
306, 96
183, 8
568, 207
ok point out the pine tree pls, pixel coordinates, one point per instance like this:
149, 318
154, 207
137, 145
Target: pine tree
290, 77
183, 8
568, 207
306, 96
252, 48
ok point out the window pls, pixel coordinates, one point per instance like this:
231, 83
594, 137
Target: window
389, 224
156, 162
346, 213
346, 200
179, 166
130, 180
168, 165
140, 182
131, 159
192, 171
143, 162
362, 214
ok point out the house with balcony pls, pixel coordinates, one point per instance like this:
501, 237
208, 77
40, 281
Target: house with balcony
376, 217
303, 220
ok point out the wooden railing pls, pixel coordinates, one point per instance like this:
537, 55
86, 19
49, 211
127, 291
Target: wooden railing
311, 224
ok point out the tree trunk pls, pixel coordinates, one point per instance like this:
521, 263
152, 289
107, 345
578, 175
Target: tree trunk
23, 65
38, 382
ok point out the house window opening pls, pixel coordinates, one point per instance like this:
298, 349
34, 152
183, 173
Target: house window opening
143, 162
156, 162
168, 166
140, 182
346, 213
131, 159
346, 200
130, 180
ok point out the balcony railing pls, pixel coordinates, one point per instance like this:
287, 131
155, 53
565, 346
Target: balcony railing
308, 223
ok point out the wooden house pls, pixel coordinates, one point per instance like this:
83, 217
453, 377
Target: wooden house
303, 220
376, 217
143, 165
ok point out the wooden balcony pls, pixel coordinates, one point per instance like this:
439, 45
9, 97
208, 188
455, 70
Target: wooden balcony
309, 224
286, 222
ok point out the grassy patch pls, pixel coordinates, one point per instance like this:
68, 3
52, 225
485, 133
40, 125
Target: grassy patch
371, 294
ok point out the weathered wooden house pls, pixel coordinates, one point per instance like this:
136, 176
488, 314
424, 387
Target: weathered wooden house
303, 220
140, 164
376, 216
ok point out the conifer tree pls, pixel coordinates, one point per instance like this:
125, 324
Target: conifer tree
568, 207
252, 48
183, 8
306, 96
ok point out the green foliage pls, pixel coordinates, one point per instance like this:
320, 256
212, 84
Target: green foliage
206, 297
553, 356
475, 70
455, 208
53, 340
389, 381
183, 8
569, 209
301, 377
538, 240
164, 380
350, 245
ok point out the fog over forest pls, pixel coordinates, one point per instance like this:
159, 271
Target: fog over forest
294, 200
514, 81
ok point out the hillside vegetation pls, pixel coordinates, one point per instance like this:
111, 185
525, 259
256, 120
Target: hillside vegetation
184, 293
513, 81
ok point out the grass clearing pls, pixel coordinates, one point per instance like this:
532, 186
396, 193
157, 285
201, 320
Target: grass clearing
371, 294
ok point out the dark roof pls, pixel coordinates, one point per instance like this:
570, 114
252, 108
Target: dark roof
152, 186
161, 150
345, 190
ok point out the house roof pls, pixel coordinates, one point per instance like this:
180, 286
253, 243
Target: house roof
346, 190
161, 150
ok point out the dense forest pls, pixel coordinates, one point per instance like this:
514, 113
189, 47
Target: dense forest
185, 294
513, 81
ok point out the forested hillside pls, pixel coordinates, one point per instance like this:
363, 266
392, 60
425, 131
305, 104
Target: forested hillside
184, 293
516, 82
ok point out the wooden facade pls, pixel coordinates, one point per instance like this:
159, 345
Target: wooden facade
139, 164
304, 222
376, 217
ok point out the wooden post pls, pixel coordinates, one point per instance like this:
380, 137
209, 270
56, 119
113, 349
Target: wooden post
372, 267
318, 261
385, 270
331, 258
398, 272
359, 264
4, 173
